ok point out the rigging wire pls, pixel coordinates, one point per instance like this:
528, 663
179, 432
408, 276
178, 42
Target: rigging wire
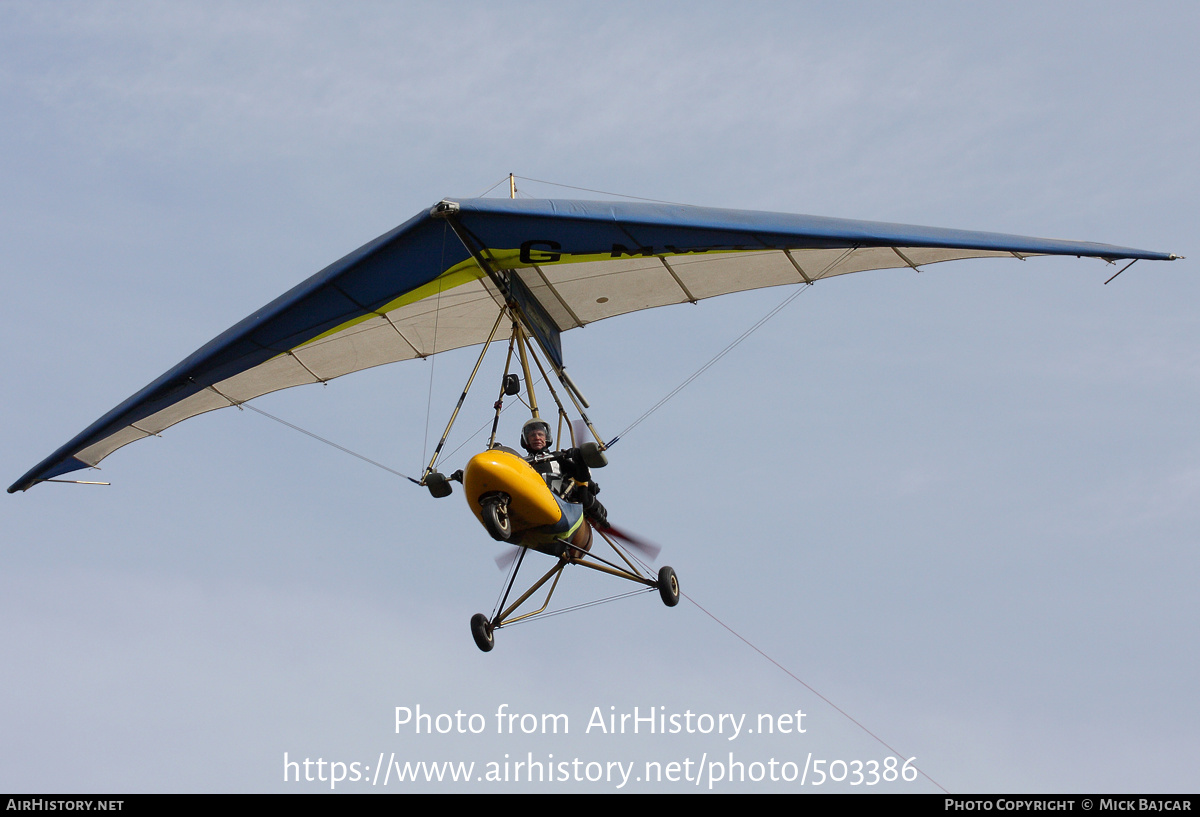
319, 438
436, 312
807, 686
790, 674
739, 637
493, 187
477, 432
582, 606
758, 324
602, 192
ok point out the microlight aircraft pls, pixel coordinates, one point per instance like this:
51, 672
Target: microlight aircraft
457, 274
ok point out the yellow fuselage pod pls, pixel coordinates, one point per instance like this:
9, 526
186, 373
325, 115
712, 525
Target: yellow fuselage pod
531, 505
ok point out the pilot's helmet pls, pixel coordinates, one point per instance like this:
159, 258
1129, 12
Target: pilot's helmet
535, 424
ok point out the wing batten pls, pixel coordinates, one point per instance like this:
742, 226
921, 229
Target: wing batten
412, 292
799, 269
686, 293
575, 321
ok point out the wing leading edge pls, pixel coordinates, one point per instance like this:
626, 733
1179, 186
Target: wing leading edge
416, 290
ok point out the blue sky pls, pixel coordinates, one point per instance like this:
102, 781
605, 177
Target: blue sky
960, 504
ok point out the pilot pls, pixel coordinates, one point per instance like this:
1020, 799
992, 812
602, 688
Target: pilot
564, 466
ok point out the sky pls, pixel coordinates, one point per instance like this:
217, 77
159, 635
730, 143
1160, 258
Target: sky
949, 516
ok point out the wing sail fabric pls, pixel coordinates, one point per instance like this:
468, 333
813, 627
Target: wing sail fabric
416, 291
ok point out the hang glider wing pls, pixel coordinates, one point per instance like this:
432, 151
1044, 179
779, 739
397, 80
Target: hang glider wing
434, 283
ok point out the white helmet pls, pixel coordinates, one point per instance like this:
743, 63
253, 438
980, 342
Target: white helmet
535, 424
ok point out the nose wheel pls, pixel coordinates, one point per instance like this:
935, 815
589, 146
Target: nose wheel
494, 512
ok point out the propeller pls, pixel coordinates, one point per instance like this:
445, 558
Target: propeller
504, 560
647, 549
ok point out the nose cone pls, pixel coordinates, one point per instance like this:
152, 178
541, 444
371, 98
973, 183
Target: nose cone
531, 505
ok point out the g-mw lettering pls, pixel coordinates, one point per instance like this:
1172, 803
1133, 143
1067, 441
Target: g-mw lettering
620, 249
669, 249
544, 256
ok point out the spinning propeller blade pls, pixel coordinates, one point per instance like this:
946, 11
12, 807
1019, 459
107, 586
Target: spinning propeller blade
579, 431
504, 560
647, 549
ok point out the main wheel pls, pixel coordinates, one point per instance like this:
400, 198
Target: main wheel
496, 519
481, 631
668, 586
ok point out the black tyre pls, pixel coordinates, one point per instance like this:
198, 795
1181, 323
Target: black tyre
668, 586
481, 631
496, 519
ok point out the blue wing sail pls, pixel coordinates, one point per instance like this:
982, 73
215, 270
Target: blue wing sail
417, 290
